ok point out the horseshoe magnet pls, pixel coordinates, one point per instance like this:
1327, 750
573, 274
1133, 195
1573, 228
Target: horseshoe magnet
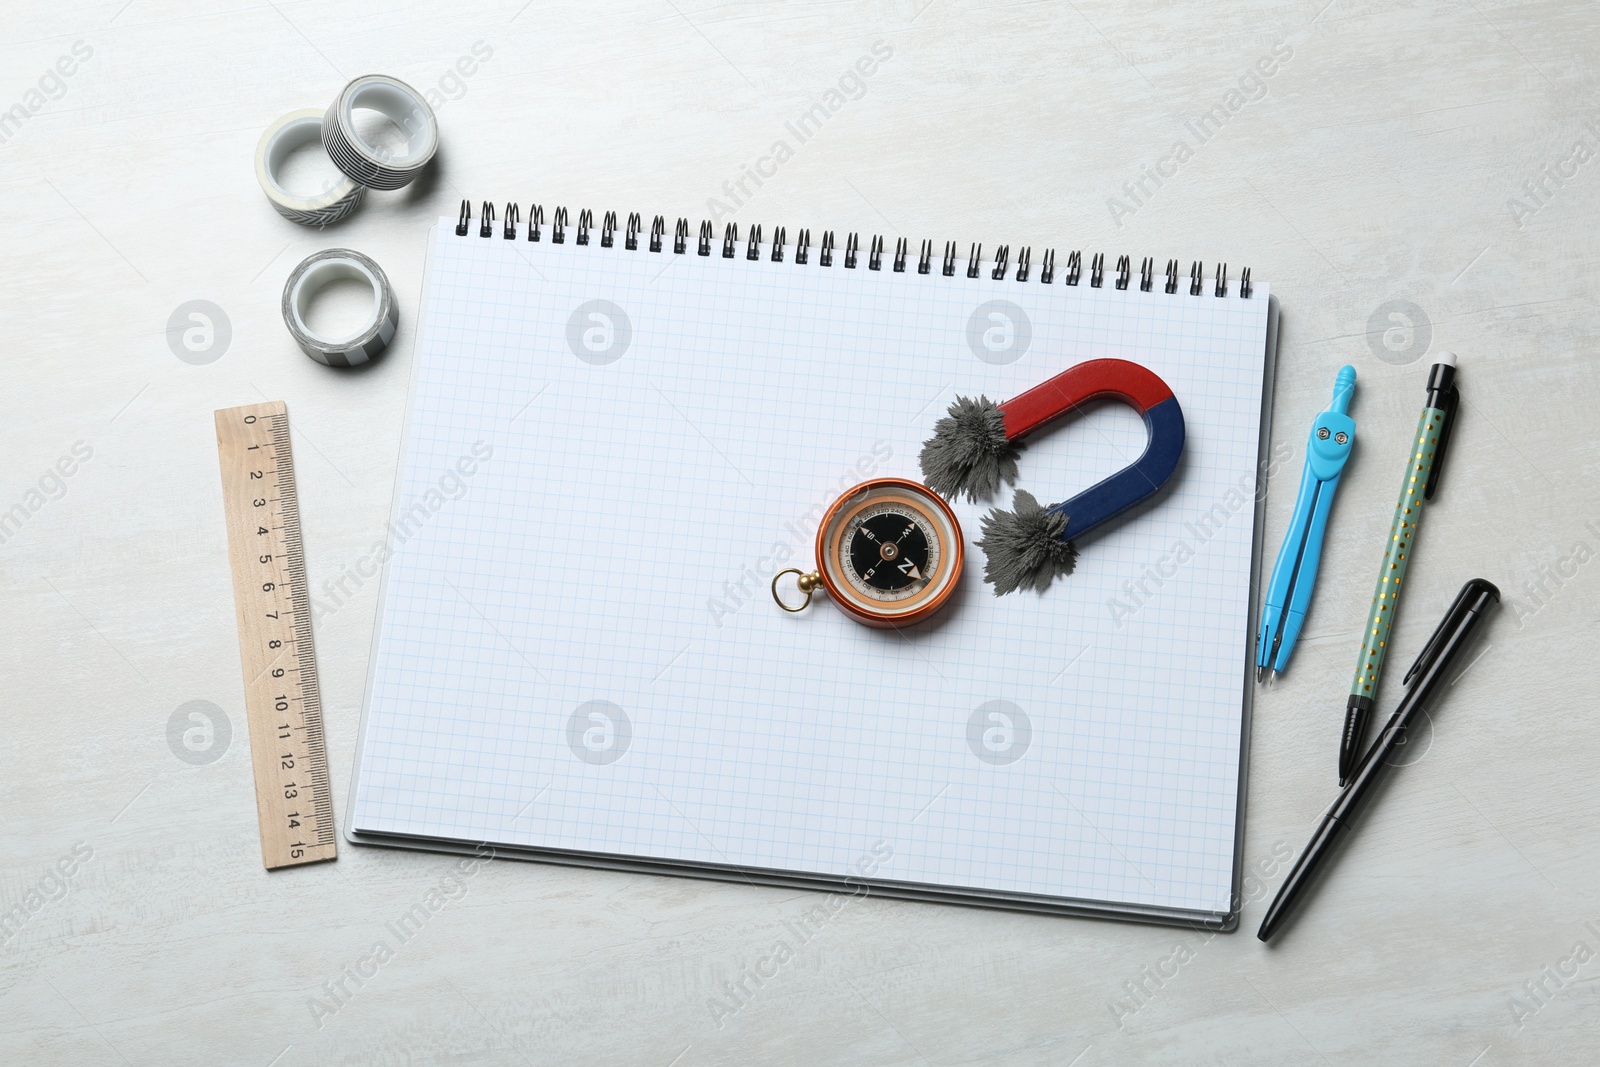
975, 448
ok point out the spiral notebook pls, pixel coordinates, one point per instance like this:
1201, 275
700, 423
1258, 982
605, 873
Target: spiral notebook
616, 438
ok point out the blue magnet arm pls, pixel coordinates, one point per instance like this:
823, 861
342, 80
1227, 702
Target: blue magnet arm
1134, 484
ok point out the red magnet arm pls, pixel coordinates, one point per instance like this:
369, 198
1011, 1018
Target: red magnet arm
1091, 380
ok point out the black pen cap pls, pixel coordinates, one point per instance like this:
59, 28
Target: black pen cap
1442, 394
1441, 377
1475, 596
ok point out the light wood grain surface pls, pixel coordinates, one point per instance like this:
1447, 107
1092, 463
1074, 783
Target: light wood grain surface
1436, 161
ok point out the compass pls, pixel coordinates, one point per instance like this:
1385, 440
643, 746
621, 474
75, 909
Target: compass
889, 553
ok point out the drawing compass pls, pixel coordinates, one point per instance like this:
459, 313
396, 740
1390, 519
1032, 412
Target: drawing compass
1294, 576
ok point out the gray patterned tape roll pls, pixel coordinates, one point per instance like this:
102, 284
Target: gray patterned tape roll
317, 271
280, 139
374, 167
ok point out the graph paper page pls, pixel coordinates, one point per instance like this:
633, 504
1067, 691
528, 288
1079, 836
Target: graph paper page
608, 455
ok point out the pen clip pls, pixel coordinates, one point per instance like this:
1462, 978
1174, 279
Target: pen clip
1447, 626
1451, 403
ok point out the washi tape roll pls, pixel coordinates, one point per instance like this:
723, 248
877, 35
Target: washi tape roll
373, 166
283, 137
315, 273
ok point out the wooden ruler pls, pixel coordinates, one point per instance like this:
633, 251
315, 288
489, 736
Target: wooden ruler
282, 701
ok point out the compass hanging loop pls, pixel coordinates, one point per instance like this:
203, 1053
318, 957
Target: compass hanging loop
806, 583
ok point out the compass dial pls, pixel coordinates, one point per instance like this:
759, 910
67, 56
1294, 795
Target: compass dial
892, 551
889, 552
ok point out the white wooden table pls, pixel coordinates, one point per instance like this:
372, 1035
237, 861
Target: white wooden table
1372, 160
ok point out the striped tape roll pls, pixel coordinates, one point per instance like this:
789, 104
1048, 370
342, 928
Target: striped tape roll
282, 138
312, 275
373, 166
